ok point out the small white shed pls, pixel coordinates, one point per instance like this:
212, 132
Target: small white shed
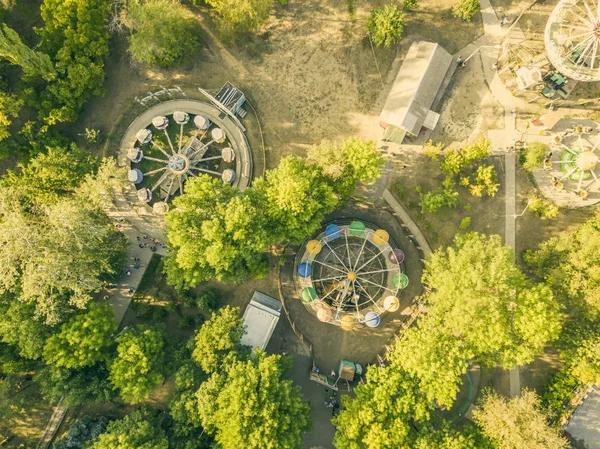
260, 318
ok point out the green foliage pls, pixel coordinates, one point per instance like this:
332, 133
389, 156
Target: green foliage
348, 162
83, 431
137, 430
457, 160
466, 9
10, 105
410, 4
558, 393
586, 362
84, 340
485, 182
217, 343
162, 34
33, 63
298, 196
382, 413
19, 326
534, 155
85, 385
76, 38
252, 406
235, 17
482, 297
208, 299
569, 263
446, 437
351, 5
185, 322
386, 25
445, 197
542, 207
433, 150
215, 232
138, 368
518, 423
465, 223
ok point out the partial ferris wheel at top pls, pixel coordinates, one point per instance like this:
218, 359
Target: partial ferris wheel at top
572, 39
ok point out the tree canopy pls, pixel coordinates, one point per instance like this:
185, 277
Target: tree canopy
217, 343
84, 339
482, 297
162, 34
386, 25
33, 63
137, 430
137, 369
235, 17
252, 406
10, 105
518, 423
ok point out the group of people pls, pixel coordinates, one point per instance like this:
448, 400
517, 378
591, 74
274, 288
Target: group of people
332, 402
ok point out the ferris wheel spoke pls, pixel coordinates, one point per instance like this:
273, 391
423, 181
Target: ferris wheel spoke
568, 174
595, 177
568, 149
169, 190
360, 253
378, 271
155, 159
365, 290
574, 27
330, 266
581, 59
152, 172
569, 53
333, 289
159, 148
160, 180
169, 140
370, 260
329, 279
335, 254
348, 250
580, 180
200, 149
590, 14
594, 53
587, 22
204, 170
376, 284
212, 158
180, 138
180, 185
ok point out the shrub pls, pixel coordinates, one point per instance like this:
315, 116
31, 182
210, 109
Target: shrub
465, 223
185, 322
235, 17
534, 155
159, 313
143, 311
410, 4
558, 392
386, 25
435, 200
457, 160
208, 299
485, 182
161, 33
542, 207
431, 150
466, 9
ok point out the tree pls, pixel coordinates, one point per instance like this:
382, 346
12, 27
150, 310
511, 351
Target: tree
382, 413
10, 106
137, 370
83, 431
569, 263
75, 386
137, 430
298, 196
20, 327
386, 25
534, 155
436, 358
57, 257
217, 343
518, 423
215, 231
480, 296
348, 162
75, 36
485, 182
466, 9
252, 406
542, 207
235, 17
586, 362
83, 340
162, 34
50, 175
456, 161
33, 63
443, 436
444, 197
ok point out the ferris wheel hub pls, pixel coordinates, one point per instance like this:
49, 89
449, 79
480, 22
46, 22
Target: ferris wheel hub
352, 276
586, 160
179, 164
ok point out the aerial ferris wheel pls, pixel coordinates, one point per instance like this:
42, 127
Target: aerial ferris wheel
572, 39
